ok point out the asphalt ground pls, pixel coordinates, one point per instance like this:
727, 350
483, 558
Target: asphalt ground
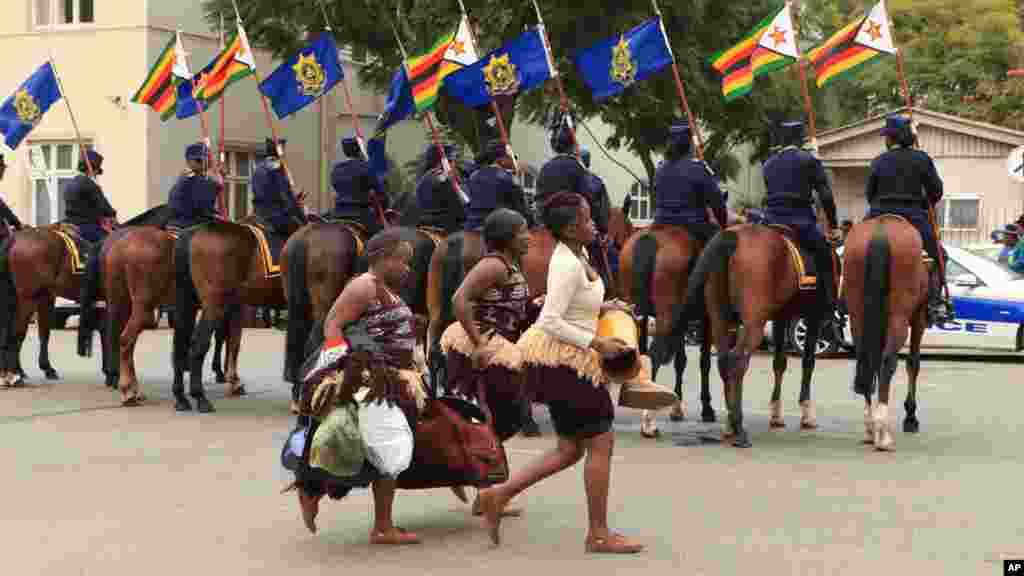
88, 487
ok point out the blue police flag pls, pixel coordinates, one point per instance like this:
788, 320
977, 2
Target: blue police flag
610, 66
305, 77
186, 106
399, 104
519, 66
25, 108
377, 157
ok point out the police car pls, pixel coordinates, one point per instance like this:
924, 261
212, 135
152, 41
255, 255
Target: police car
988, 301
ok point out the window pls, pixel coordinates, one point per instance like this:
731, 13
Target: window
641, 211
954, 269
53, 166
238, 166
67, 12
958, 213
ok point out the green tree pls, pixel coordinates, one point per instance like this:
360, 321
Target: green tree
640, 116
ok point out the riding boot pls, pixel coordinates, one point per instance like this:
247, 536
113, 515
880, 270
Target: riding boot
826, 284
940, 310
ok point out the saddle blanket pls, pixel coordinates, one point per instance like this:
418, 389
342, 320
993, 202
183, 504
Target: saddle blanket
802, 261
357, 230
270, 246
78, 248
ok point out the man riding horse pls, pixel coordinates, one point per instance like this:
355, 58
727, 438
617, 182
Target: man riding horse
493, 186
355, 189
273, 199
86, 206
440, 205
791, 175
904, 182
684, 189
193, 199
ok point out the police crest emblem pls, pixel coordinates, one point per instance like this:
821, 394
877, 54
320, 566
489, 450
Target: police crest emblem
26, 108
310, 75
623, 68
501, 76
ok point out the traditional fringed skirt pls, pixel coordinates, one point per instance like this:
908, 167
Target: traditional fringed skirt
503, 377
569, 380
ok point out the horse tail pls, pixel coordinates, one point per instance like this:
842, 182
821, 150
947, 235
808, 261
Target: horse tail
875, 326
185, 302
645, 253
451, 277
87, 321
299, 310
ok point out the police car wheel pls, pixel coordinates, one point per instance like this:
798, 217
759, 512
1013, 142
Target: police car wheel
827, 343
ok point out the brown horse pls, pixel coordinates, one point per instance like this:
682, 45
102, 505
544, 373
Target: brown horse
37, 267
655, 268
136, 272
218, 268
886, 288
749, 273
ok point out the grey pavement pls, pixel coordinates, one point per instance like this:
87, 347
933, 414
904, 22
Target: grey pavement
88, 487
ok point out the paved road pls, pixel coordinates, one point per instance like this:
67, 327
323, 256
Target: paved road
91, 488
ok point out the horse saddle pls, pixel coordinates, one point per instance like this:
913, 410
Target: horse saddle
359, 232
270, 246
803, 261
78, 248
436, 235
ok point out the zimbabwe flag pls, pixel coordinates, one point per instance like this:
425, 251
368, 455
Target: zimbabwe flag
770, 46
853, 46
158, 89
235, 62
426, 72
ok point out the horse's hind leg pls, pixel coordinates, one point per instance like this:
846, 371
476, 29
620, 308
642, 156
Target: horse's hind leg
200, 346
779, 328
883, 433
678, 413
910, 422
707, 413
217, 363
44, 320
807, 419
232, 330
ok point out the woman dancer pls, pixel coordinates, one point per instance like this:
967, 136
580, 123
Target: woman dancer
561, 361
375, 322
490, 307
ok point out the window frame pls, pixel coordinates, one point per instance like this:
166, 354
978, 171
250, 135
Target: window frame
54, 7
52, 175
942, 216
232, 180
641, 198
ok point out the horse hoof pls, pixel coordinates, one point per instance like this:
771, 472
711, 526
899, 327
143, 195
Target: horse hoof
652, 434
220, 378
182, 405
777, 423
676, 416
810, 425
741, 441
203, 405
51, 374
911, 426
238, 392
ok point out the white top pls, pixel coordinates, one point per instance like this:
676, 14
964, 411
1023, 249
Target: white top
572, 303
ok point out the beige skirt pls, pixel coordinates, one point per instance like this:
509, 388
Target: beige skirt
540, 348
413, 380
505, 353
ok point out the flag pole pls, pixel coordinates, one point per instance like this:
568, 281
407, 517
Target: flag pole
203, 125
221, 204
679, 83
64, 94
429, 121
494, 102
266, 111
563, 100
355, 123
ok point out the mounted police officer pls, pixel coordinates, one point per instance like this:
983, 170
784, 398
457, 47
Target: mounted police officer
355, 189
791, 175
85, 205
439, 204
600, 207
273, 199
564, 172
7, 217
685, 189
904, 182
493, 186
193, 199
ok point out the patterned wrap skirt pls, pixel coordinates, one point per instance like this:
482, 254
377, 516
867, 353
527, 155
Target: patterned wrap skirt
569, 380
503, 377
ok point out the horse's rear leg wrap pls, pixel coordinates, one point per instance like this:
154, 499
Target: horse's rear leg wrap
200, 346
